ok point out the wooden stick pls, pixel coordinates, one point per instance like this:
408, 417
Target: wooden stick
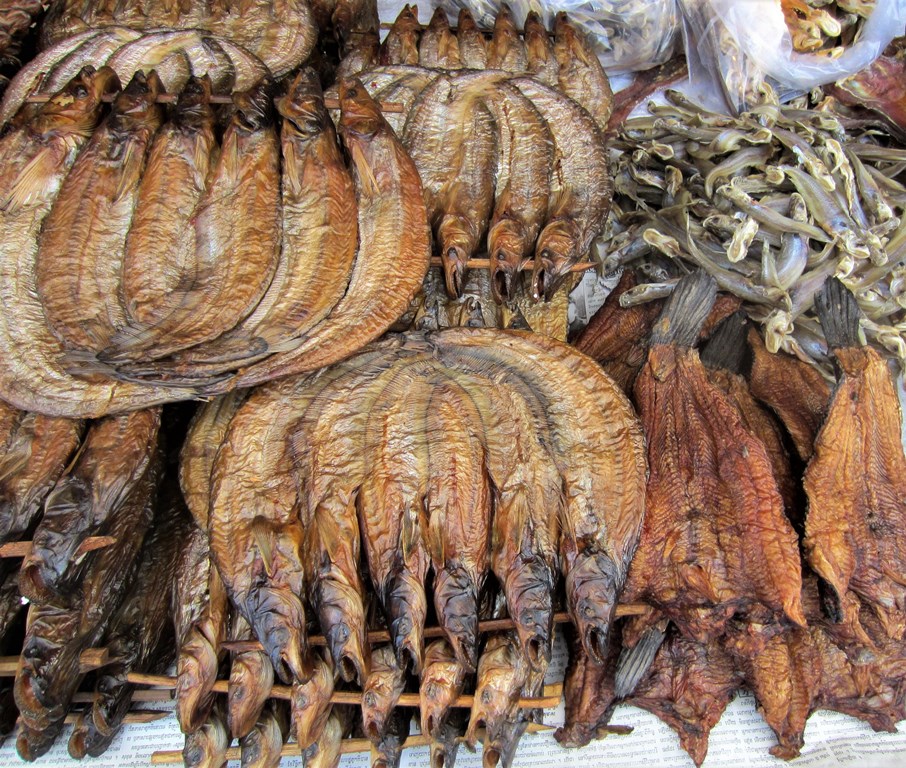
382, 636
348, 747
22, 548
170, 98
131, 718
527, 266
454, 29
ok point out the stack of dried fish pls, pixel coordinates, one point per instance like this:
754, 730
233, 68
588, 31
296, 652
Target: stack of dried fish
15, 19
501, 463
507, 137
280, 33
771, 204
719, 560
159, 263
176, 56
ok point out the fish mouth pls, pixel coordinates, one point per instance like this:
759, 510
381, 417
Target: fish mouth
253, 107
502, 280
454, 260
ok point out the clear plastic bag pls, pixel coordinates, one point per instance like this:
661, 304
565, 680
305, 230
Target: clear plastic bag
746, 46
628, 35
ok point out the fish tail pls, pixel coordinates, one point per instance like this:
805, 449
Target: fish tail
839, 315
686, 310
635, 662
728, 348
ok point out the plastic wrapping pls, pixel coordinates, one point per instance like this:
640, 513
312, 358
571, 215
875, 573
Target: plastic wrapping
748, 48
629, 35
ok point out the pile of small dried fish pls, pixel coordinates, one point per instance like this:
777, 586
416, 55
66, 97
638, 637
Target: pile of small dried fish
771, 204
825, 27
734, 601
501, 463
144, 261
507, 136
281, 33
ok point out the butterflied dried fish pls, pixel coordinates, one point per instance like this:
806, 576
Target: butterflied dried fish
756, 574
581, 75
33, 460
689, 687
580, 188
161, 239
82, 242
236, 245
393, 244
473, 47
458, 505
88, 501
401, 44
855, 479
40, 155
542, 64
95, 51
507, 50
58, 632
139, 638
438, 46
793, 389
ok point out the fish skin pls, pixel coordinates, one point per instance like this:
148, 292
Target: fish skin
157, 254
80, 252
450, 138
237, 224
458, 506
95, 51
251, 680
394, 246
310, 703
404, 89
502, 671
442, 681
507, 50
262, 747
319, 237
381, 692
473, 46
38, 454
401, 44
541, 62
118, 452
582, 77
581, 188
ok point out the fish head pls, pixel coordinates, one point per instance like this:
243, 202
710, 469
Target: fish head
536, 37
568, 48
492, 702
555, 254
360, 115
506, 248
137, 103
253, 108
466, 21
438, 21
311, 704
303, 104
457, 242
77, 105
193, 105
591, 593
439, 688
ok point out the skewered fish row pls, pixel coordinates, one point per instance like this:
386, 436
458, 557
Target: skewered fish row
771, 204
511, 156
281, 34
113, 322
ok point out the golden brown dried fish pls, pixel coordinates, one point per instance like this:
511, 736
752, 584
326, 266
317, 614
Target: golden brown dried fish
541, 62
39, 449
473, 47
160, 242
263, 745
580, 188
450, 136
237, 241
310, 703
442, 681
118, 452
251, 680
458, 507
207, 746
95, 51
438, 46
80, 253
36, 158
393, 244
401, 44
507, 50
319, 236
581, 76
856, 479
381, 692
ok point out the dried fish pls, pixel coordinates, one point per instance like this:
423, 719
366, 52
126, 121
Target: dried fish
401, 44
473, 47
251, 679
311, 704
542, 64
438, 46
381, 692
507, 50
581, 75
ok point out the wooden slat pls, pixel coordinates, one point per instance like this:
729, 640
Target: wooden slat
22, 548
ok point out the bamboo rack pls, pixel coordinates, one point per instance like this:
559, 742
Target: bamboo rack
170, 98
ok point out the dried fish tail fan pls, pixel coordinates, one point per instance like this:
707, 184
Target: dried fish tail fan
686, 311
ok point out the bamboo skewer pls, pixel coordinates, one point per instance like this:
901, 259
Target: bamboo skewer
527, 266
22, 548
170, 98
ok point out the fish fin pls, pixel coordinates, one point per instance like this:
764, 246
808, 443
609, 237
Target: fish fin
263, 540
128, 182
291, 176
366, 173
634, 663
229, 158
686, 310
728, 347
201, 163
32, 182
13, 461
839, 315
